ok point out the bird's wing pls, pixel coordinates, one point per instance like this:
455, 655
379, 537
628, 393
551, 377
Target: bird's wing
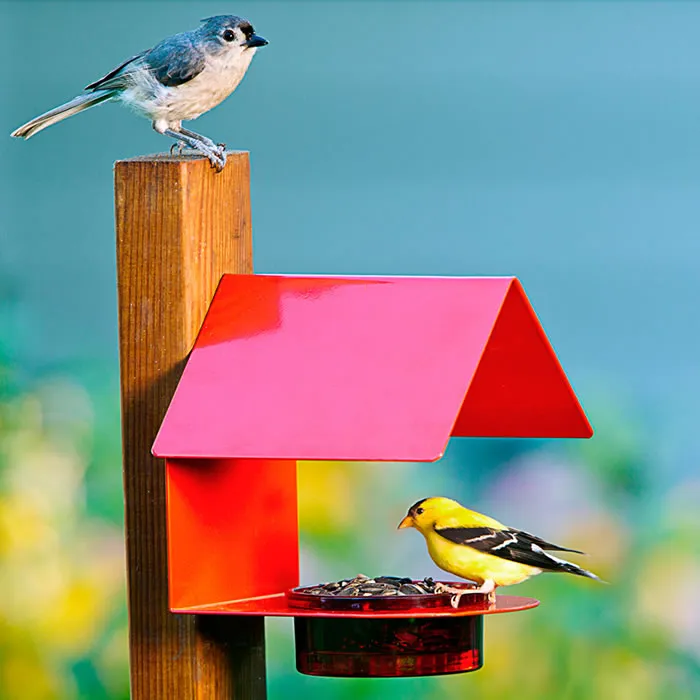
176, 60
117, 78
172, 62
514, 545
533, 539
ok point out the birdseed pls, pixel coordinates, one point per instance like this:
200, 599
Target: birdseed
363, 587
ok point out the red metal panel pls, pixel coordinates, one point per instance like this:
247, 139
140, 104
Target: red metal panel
362, 369
520, 389
351, 369
232, 529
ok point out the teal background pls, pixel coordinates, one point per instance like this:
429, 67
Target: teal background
557, 141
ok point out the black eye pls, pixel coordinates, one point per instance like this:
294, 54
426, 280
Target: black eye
229, 35
419, 511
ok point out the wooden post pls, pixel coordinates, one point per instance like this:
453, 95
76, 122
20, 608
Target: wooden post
180, 226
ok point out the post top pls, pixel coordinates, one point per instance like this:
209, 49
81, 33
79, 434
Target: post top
178, 159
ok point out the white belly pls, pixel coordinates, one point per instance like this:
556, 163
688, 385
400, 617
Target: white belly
189, 100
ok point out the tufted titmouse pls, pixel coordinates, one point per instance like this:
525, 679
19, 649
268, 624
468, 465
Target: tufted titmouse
181, 78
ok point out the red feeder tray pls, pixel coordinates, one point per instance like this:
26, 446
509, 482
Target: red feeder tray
377, 637
413, 635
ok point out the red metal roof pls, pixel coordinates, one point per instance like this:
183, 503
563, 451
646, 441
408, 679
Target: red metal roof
376, 368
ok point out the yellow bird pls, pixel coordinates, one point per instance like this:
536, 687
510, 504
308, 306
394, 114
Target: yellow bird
481, 549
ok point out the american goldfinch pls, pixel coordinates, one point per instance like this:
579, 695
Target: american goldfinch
481, 549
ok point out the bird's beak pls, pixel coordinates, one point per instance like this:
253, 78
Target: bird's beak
255, 41
406, 522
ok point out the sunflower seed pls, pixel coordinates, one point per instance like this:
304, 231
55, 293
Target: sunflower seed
364, 586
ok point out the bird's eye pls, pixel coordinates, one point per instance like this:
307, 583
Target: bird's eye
229, 35
419, 511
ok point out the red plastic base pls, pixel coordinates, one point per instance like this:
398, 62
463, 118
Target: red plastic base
388, 647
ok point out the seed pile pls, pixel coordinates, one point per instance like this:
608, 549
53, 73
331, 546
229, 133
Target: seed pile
363, 586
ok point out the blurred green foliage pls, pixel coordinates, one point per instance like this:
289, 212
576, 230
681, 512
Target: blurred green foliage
62, 597
62, 589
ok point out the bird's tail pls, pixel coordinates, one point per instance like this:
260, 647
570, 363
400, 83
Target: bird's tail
553, 563
64, 111
574, 569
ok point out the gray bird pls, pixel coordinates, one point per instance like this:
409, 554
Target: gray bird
179, 79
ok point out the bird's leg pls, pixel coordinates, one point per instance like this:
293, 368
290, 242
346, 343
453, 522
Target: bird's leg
488, 587
220, 147
178, 144
216, 157
204, 139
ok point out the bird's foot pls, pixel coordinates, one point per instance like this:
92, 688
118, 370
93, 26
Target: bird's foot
488, 588
202, 144
176, 146
216, 156
217, 159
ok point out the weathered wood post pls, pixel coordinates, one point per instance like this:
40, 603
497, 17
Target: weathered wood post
180, 226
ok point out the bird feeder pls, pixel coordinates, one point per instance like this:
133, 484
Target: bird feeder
289, 368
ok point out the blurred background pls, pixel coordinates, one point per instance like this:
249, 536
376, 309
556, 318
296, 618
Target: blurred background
557, 141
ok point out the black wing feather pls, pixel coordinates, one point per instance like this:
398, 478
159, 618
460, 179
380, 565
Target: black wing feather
112, 79
533, 539
513, 545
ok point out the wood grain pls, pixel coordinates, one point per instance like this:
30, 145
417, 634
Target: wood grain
180, 226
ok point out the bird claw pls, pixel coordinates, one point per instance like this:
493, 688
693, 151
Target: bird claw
181, 148
457, 593
488, 588
217, 160
216, 156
